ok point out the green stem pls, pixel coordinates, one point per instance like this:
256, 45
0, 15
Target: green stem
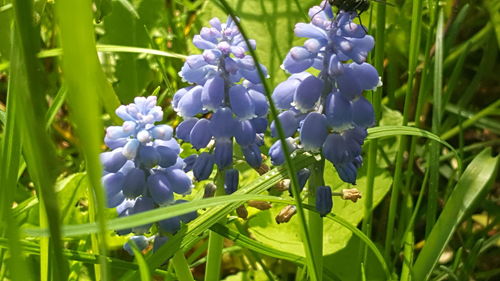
305, 235
182, 270
215, 241
314, 220
492, 108
372, 149
414, 47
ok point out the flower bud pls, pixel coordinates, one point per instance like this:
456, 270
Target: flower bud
112, 161
200, 135
313, 131
203, 166
223, 152
179, 181
134, 183
286, 214
324, 201
160, 189
231, 181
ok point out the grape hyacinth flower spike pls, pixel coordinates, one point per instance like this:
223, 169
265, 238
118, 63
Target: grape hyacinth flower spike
225, 102
143, 170
328, 110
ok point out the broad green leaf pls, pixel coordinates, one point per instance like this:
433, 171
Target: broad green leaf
471, 186
285, 237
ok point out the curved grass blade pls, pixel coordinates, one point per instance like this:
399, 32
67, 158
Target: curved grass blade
37, 147
312, 265
116, 49
470, 187
391, 131
141, 262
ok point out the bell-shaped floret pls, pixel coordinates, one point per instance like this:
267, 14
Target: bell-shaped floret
190, 104
212, 95
147, 157
141, 242
159, 241
187, 217
363, 113
260, 102
311, 31
308, 93
203, 166
293, 65
223, 152
112, 161
356, 78
276, 151
113, 183
170, 225
134, 183
160, 189
179, 182
259, 124
231, 181
168, 156
201, 134
338, 112
283, 93
183, 131
289, 123
189, 162
142, 204
245, 133
313, 131
223, 124
252, 155
241, 102
162, 132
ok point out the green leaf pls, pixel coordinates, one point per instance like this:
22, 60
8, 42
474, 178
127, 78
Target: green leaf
141, 262
471, 186
87, 88
286, 237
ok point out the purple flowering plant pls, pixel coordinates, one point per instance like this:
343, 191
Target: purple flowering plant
143, 170
225, 102
327, 110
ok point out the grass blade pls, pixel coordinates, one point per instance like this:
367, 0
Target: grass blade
471, 186
37, 148
86, 84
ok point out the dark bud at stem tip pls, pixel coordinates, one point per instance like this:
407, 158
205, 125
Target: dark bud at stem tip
286, 214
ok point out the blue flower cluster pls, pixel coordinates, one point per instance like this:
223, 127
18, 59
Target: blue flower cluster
143, 170
328, 110
225, 103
